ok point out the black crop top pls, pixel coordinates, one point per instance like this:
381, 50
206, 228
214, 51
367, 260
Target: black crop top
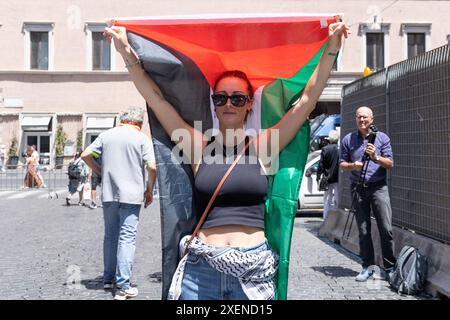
241, 200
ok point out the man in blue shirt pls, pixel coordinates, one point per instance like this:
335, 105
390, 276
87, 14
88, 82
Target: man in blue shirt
373, 193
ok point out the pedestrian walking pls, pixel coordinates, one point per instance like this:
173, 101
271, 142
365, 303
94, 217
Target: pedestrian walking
2, 158
78, 172
31, 179
36, 156
328, 172
126, 152
96, 181
372, 194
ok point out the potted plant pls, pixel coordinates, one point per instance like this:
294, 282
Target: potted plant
80, 141
12, 154
60, 141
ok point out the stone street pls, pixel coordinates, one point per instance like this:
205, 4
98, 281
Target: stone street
51, 251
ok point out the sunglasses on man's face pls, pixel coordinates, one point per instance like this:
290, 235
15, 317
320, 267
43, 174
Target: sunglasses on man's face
237, 100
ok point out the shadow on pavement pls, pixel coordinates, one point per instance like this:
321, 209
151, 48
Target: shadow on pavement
155, 277
93, 284
312, 225
336, 271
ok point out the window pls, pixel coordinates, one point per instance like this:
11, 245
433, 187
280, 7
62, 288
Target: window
375, 45
416, 38
416, 44
93, 137
101, 52
42, 142
375, 51
90, 137
98, 49
39, 50
38, 45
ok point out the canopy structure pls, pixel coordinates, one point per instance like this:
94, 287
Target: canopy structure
36, 123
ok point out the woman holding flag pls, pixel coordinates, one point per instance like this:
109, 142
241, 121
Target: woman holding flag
229, 257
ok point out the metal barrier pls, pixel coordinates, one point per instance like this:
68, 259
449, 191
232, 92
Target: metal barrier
411, 103
55, 181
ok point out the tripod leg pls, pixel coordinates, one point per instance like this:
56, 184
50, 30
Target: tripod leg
351, 212
351, 224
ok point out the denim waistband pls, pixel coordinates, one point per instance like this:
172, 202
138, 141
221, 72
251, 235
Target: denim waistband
264, 245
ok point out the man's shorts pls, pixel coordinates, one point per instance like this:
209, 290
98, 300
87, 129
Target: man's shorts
95, 181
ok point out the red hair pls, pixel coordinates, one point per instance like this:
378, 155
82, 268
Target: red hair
235, 74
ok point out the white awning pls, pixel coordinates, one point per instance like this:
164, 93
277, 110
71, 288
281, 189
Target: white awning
331, 93
100, 122
36, 123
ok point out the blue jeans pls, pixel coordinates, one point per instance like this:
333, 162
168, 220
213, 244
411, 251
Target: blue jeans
119, 243
203, 282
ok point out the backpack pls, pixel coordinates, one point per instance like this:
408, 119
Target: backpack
74, 170
410, 272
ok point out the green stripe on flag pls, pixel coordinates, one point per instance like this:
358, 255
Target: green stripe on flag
281, 205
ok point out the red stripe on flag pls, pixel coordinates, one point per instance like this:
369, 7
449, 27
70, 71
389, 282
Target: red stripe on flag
266, 49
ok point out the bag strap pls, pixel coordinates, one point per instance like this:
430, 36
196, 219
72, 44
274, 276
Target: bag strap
404, 258
213, 197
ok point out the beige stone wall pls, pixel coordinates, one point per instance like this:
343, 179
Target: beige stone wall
70, 93
70, 17
72, 89
71, 124
9, 128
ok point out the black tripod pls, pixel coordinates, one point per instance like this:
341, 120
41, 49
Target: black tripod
361, 179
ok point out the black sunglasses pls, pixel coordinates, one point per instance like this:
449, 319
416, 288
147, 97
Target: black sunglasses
237, 100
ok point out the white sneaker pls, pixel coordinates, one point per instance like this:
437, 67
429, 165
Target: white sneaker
364, 275
122, 294
93, 206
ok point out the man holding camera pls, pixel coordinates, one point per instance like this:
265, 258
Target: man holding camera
372, 193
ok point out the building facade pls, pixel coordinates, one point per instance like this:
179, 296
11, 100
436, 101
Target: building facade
56, 68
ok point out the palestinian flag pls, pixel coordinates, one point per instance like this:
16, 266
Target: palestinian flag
184, 55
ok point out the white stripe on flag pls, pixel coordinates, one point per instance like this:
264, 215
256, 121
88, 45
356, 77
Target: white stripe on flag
212, 16
253, 123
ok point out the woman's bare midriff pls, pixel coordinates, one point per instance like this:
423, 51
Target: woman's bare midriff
232, 236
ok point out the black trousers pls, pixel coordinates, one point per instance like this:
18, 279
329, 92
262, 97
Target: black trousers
376, 198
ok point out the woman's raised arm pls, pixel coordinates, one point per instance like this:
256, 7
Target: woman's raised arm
293, 120
164, 111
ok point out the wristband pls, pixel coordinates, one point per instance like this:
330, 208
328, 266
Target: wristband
129, 65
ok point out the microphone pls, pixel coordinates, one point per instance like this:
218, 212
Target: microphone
372, 136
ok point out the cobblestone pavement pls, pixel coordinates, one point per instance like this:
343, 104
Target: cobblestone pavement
321, 269
51, 251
